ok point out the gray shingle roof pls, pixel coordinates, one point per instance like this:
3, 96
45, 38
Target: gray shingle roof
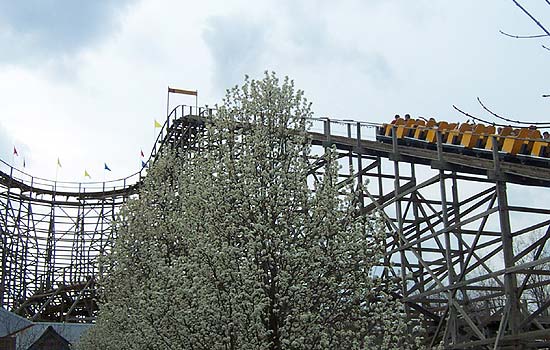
10, 322
70, 331
28, 332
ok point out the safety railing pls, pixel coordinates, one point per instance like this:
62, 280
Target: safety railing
522, 141
14, 177
358, 130
19, 178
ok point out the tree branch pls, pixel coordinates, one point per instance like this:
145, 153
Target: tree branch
482, 120
494, 114
531, 16
544, 124
471, 116
523, 36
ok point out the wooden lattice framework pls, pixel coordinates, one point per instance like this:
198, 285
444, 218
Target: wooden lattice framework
453, 222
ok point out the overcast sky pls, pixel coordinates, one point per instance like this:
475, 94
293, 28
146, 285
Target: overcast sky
84, 80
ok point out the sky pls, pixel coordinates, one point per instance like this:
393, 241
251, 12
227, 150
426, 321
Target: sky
83, 81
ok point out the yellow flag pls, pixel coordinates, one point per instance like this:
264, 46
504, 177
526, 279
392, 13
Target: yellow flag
86, 174
58, 162
157, 124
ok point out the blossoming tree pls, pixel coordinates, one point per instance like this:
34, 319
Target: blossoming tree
228, 247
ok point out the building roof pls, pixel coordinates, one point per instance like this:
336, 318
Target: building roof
10, 322
28, 333
68, 331
50, 339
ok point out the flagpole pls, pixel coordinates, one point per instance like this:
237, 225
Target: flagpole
184, 92
56, 171
58, 165
168, 102
105, 169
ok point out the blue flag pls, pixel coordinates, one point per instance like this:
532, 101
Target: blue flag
143, 164
106, 167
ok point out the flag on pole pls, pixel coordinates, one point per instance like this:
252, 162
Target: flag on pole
182, 91
157, 124
58, 162
106, 167
142, 155
86, 174
15, 151
143, 164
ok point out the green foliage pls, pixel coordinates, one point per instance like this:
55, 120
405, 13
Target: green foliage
228, 247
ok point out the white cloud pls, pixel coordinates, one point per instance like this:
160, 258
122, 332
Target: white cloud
38, 30
366, 60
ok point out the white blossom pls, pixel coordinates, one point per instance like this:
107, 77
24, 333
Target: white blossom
228, 248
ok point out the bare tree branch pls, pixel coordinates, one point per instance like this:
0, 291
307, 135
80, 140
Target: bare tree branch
544, 124
493, 123
531, 16
493, 113
523, 36
473, 117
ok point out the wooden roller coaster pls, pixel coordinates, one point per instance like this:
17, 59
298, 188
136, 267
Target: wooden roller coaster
454, 199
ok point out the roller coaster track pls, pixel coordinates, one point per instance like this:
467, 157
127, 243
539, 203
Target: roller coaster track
454, 221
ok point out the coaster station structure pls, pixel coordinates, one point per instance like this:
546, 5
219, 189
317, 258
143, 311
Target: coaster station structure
470, 252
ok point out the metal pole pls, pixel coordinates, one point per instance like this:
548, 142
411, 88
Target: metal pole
168, 101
